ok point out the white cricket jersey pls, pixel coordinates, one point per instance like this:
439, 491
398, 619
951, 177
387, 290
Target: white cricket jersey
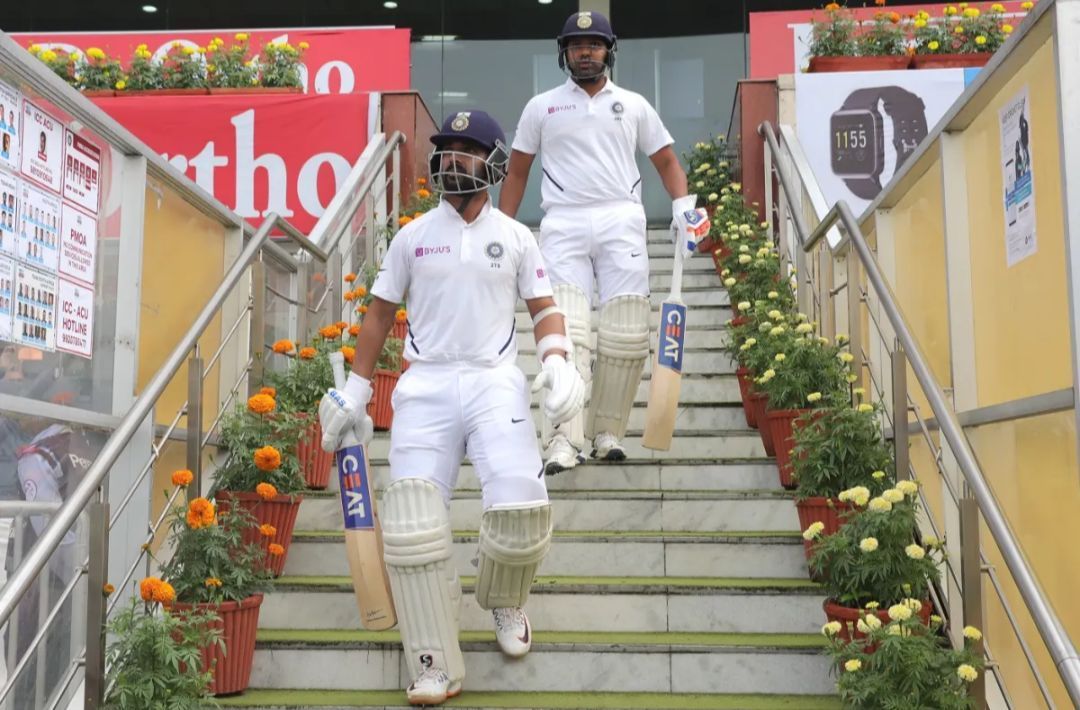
587, 144
462, 282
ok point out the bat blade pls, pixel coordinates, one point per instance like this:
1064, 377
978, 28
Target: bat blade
666, 376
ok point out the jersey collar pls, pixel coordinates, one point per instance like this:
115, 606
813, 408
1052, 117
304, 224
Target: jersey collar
609, 87
450, 213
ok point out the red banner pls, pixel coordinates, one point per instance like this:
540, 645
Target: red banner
779, 40
339, 60
257, 154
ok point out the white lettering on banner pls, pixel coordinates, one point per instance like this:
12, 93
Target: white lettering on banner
204, 164
307, 185
247, 163
345, 72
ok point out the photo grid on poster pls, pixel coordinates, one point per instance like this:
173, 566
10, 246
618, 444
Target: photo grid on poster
35, 308
82, 167
42, 147
7, 296
9, 202
39, 228
78, 245
10, 134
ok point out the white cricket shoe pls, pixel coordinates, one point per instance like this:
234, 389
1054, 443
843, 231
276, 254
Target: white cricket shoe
512, 630
606, 447
433, 687
561, 455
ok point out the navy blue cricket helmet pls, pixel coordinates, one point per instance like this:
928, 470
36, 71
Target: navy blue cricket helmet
480, 129
587, 24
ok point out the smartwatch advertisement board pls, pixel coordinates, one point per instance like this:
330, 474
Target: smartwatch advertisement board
857, 128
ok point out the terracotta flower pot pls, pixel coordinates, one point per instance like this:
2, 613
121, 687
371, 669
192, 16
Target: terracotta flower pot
950, 61
401, 332
880, 63
279, 511
783, 425
238, 622
314, 462
739, 320
745, 387
256, 90
758, 403
830, 512
97, 93
380, 409
849, 618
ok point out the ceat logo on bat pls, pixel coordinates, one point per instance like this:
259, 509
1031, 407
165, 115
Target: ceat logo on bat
355, 491
672, 334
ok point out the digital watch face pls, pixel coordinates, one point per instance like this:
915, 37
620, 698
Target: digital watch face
855, 143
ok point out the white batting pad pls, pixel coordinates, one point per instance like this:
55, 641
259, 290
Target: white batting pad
427, 596
514, 539
622, 346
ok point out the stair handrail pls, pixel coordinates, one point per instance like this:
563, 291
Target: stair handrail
1061, 647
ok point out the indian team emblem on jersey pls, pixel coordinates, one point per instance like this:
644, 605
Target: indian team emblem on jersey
617, 108
495, 252
584, 20
461, 121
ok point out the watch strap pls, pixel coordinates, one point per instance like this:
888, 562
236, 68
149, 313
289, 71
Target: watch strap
866, 188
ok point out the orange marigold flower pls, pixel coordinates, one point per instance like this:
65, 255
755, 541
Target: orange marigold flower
421, 181
894, 17
349, 353
401, 316
330, 332
267, 458
879, 3
182, 477
403, 220
308, 353
349, 278
212, 582
148, 588
200, 514
349, 296
268, 391
417, 215
283, 347
354, 330
360, 291
265, 490
276, 549
108, 589
261, 404
165, 594
267, 530
423, 194
341, 325
832, 7
362, 309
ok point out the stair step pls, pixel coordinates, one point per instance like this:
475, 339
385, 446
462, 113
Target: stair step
712, 510
751, 555
712, 314
698, 338
696, 362
662, 282
617, 604
693, 296
293, 699
679, 662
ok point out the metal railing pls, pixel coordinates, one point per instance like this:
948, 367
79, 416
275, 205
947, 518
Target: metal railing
369, 191
849, 254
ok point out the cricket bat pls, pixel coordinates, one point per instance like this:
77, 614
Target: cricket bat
667, 365
363, 534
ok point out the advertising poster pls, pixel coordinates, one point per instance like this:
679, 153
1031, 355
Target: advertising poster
75, 333
39, 227
78, 245
35, 308
9, 202
42, 147
82, 171
1017, 179
858, 128
9, 127
7, 295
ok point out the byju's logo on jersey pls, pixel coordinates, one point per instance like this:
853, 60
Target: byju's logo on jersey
495, 251
355, 489
425, 251
563, 107
673, 322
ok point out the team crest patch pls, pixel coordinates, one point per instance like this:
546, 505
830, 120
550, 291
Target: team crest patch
494, 251
460, 122
617, 107
584, 20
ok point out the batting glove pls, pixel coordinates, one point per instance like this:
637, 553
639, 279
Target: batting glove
566, 389
345, 409
689, 223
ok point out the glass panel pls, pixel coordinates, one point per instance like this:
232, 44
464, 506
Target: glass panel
278, 313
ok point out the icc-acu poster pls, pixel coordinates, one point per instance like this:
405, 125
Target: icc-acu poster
1017, 179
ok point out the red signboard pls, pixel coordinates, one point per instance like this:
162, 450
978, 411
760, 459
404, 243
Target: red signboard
257, 154
778, 40
339, 60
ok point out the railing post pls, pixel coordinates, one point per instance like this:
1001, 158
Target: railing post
854, 313
395, 185
900, 413
257, 338
334, 276
971, 577
303, 272
194, 418
96, 603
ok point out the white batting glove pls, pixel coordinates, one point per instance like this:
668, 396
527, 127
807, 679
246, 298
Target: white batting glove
566, 389
344, 409
689, 223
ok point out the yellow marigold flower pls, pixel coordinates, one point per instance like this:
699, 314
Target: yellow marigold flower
303, 45
880, 505
773, 294
95, 53
919, 23
261, 404
933, 45
780, 357
735, 186
872, 605
908, 488
852, 378
34, 48
188, 51
48, 55
240, 36
266, 491
267, 458
775, 314
971, 12
873, 621
699, 183
182, 477
853, 665
200, 514
865, 408
283, 347
401, 316
831, 629
713, 197
768, 374
276, 549
744, 249
1007, 29
120, 85
997, 7
959, 30
893, 495
804, 328
308, 353
972, 634
777, 330
813, 531
900, 612
212, 582
868, 544
980, 40
729, 282
813, 397
859, 391
967, 673
743, 305
915, 552
267, 530
751, 342
877, 475
1027, 5
846, 357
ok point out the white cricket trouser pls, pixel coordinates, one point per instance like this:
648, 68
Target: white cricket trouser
444, 411
605, 240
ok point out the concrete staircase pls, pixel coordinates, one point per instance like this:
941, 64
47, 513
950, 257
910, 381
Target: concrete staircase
675, 580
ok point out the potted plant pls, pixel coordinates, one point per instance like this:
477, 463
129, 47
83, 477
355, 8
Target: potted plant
758, 355
872, 563
298, 388
215, 569
961, 37
279, 64
387, 372
261, 473
154, 657
907, 661
839, 42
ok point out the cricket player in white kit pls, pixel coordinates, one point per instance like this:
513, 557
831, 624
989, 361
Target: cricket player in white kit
587, 132
463, 266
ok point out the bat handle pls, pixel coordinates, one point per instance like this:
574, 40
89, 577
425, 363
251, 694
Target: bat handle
337, 365
676, 272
